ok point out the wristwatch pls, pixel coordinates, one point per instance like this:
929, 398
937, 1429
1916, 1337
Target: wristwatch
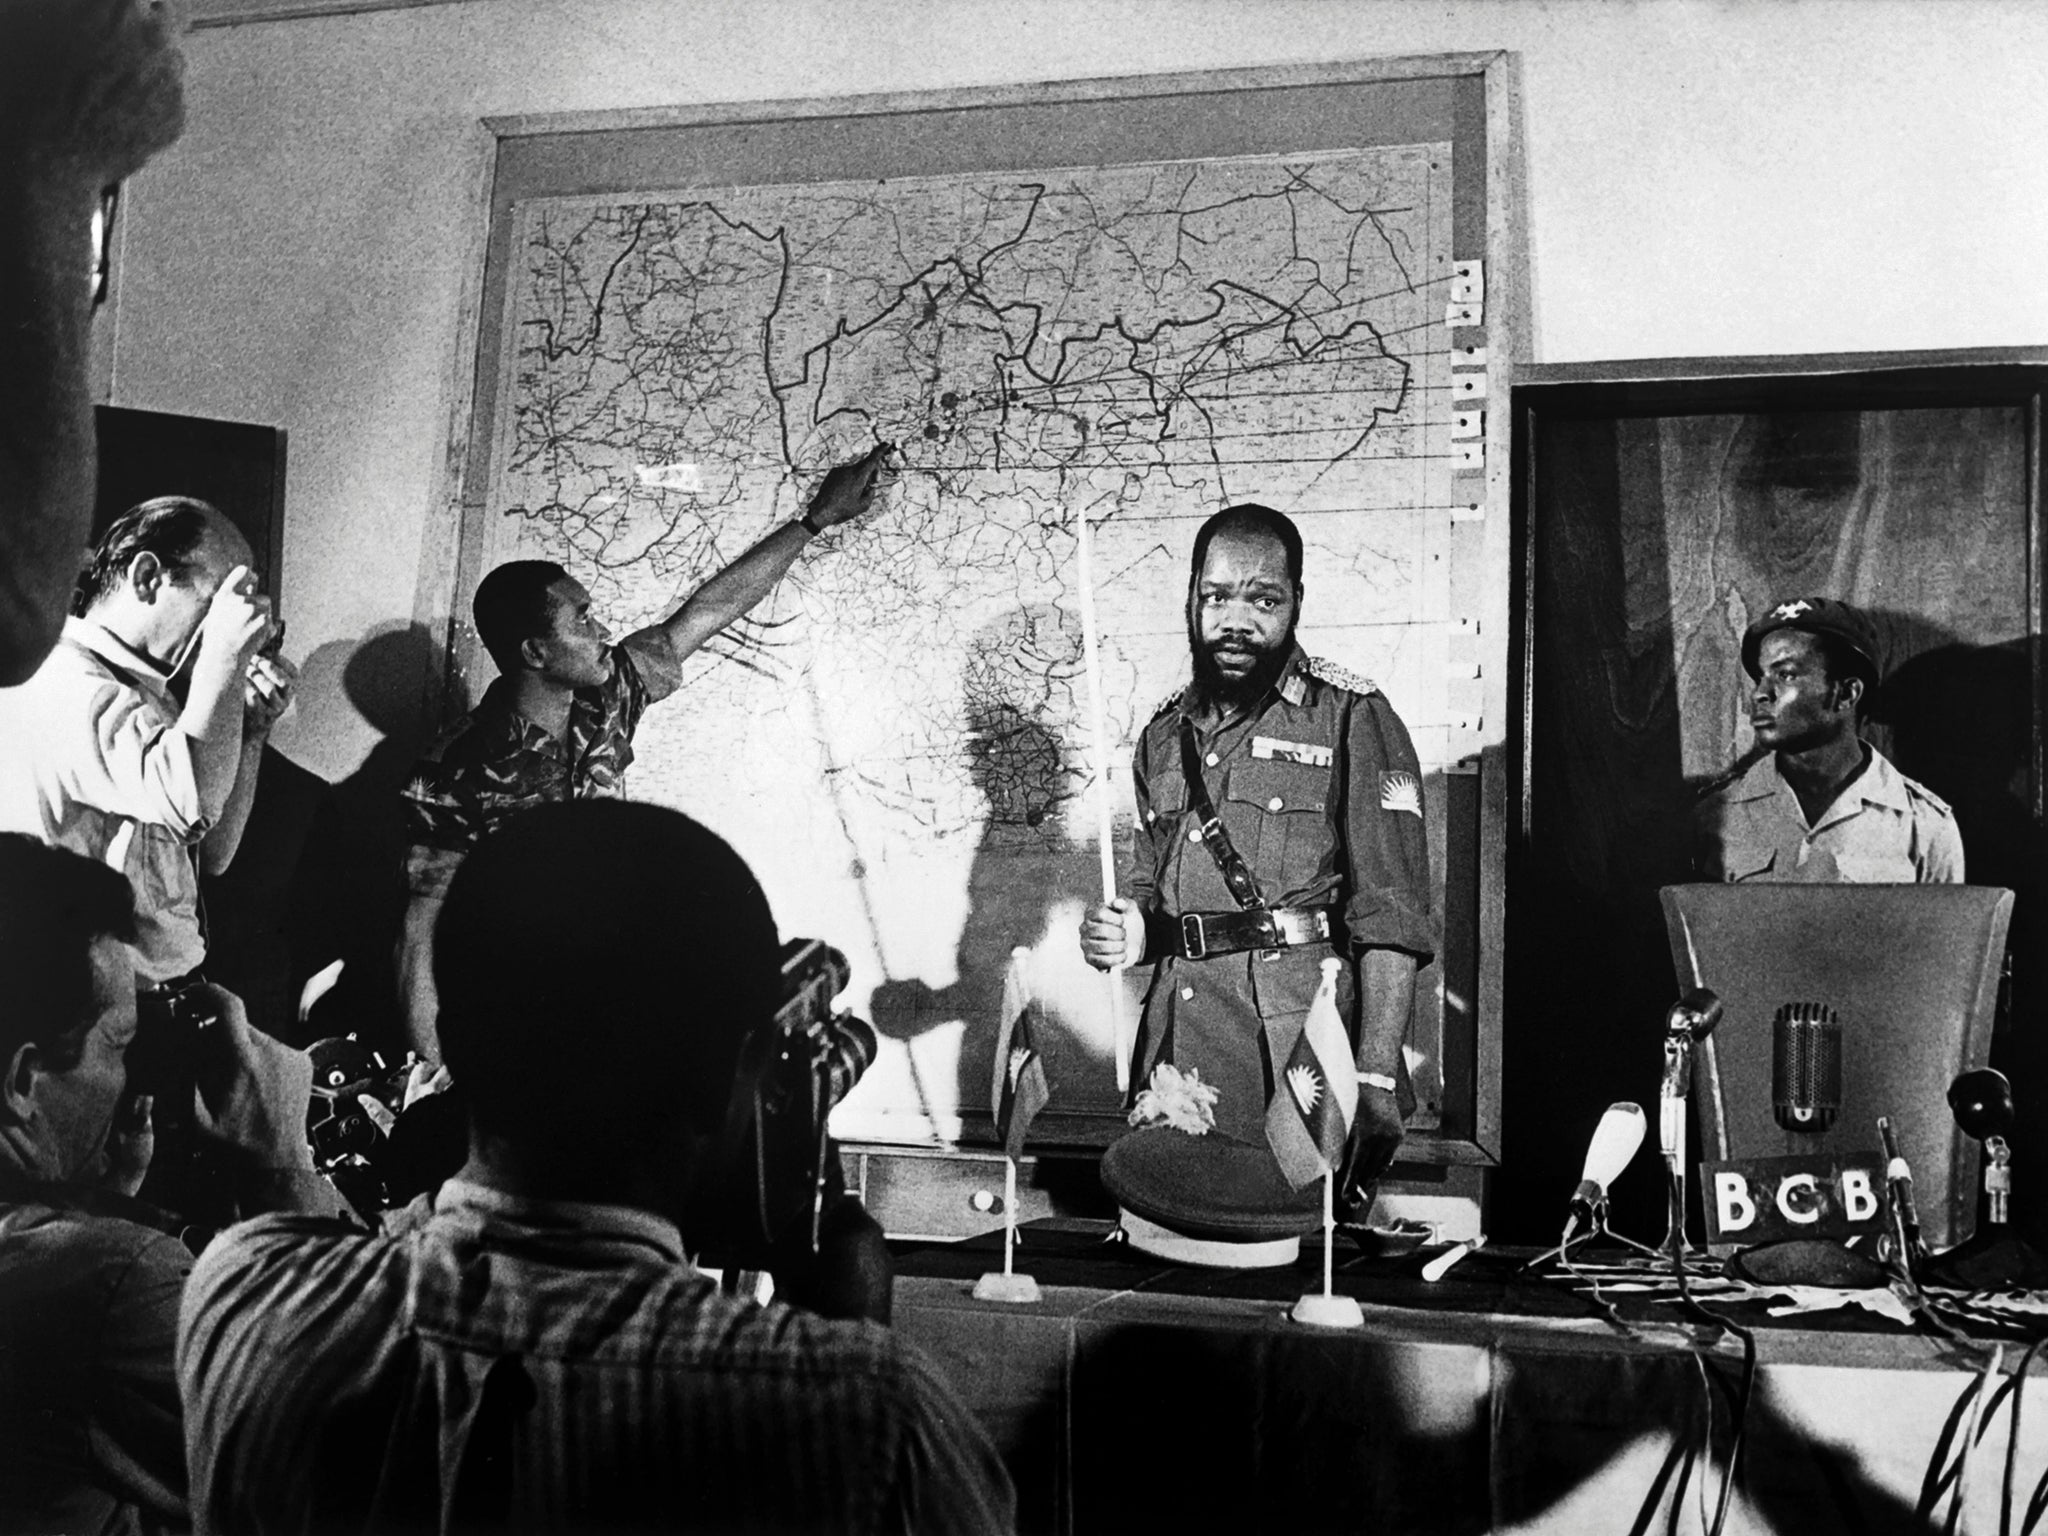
1378, 1080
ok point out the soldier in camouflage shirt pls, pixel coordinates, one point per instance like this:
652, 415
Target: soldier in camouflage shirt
558, 722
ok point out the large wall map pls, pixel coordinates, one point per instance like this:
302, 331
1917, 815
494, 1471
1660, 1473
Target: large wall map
899, 741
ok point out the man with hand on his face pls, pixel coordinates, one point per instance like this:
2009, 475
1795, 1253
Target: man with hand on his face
1820, 804
558, 722
103, 759
1279, 822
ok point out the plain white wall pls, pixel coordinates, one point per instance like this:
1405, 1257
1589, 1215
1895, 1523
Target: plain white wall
1711, 178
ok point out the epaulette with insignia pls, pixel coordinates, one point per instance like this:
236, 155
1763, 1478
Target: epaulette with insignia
1342, 677
1935, 803
1168, 702
1705, 789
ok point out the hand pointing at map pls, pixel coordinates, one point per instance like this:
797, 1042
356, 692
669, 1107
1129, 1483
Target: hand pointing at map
560, 673
849, 489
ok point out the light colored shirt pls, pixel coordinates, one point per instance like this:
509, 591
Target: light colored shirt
91, 760
1882, 829
493, 1363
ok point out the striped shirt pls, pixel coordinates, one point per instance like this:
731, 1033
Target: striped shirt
487, 1363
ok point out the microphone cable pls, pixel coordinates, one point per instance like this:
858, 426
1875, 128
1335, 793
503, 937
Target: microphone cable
1746, 1391
1609, 1313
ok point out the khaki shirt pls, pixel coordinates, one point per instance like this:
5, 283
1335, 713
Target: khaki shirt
91, 759
1882, 829
1320, 791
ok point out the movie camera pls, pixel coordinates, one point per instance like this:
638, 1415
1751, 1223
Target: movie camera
776, 1153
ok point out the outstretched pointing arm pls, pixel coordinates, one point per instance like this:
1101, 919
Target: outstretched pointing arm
845, 493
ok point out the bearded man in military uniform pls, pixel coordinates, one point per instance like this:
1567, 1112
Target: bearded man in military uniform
1279, 822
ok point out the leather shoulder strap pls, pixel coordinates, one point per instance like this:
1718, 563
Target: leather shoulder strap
1237, 875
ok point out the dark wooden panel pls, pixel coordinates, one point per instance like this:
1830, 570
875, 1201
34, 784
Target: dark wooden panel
958, 1194
1656, 520
236, 465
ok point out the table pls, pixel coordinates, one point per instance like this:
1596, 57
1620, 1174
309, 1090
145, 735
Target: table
1137, 1396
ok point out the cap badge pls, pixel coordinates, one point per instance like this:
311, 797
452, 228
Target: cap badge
1791, 610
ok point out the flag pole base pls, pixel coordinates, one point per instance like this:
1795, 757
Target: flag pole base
1322, 1310
1018, 1289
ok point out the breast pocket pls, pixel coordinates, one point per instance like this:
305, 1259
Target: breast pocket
1278, 816
1748, 865
1876, 869
1169, 802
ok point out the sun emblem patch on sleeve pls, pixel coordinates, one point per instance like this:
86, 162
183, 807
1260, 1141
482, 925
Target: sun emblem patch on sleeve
1303, 1083
1400, 792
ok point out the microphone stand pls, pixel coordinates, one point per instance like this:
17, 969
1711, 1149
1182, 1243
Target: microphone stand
1994, 1257
1596, 1212
1691, 1019
1671, 1130
1614, 1143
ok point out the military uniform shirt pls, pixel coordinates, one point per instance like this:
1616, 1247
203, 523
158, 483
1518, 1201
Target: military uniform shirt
1320, 791
494, 763
1882, 829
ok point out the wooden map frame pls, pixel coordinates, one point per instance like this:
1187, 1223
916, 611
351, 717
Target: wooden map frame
1469, 99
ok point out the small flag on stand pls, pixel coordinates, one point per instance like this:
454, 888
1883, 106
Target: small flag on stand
1018, 1088
1309, 1118
1307, 1125
1017, 1092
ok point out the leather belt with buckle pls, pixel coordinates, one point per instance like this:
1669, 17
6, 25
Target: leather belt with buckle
1203, 934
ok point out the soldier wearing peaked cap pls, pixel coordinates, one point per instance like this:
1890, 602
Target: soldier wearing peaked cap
1279, 821
1820, 804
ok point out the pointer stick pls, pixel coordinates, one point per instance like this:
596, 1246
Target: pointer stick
1105, 842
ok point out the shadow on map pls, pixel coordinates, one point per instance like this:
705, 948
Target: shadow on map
1027, 886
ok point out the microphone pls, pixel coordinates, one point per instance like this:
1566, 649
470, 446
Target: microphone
1691, 1019
1806, 1067
1694, 1015
1982, 1104
1904, 1213
1614, 1144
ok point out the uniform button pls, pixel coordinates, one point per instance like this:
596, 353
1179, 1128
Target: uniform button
1195, 836
1212, 759
1151, 815
1274, 804
1186, 993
